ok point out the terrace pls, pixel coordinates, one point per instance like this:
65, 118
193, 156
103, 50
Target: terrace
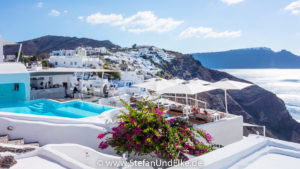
56, 83
253, 152
65, 129
215, 122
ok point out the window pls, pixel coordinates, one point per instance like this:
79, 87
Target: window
55, 63
71, 63
64, 63
75, 63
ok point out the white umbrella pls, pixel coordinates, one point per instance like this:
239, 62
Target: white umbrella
199, 81
227, 84
177, 81
156, 85
187, 88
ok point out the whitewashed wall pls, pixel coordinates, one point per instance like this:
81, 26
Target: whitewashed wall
52, 133
225, 131
1, 50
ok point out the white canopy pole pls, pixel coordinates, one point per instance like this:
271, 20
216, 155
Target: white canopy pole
69, 82
186, 99
227, 84
19, 54
157, 102
225, 93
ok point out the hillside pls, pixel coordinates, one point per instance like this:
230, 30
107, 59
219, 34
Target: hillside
48, 43
255, 104
249, 58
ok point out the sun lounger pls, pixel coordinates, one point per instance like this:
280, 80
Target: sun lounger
177, 108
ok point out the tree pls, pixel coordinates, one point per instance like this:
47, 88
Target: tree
116, 75
45, 63
106, 66
35, 58
22, 58
16, 54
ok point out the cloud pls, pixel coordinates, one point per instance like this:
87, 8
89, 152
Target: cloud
231, 2
66, 11
99, 18
40, 4
207, 32
54, 12
294, 7
81, 18
140, 22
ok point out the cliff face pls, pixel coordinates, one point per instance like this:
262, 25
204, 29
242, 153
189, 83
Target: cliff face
254, 103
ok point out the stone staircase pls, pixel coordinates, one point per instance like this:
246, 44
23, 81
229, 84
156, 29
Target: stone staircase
5, 140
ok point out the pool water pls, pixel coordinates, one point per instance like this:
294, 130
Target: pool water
73, 109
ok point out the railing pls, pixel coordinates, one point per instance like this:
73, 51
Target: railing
186, 98
254, 125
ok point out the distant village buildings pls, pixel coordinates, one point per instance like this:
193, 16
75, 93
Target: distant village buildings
140, 60
77, 58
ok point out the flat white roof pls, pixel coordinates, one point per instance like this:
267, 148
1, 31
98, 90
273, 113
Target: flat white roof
36, 162
275, 161
70, 70
12, 68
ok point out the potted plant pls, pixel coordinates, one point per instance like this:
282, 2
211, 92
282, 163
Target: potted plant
88, 90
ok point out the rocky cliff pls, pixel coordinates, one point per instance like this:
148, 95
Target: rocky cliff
254, 103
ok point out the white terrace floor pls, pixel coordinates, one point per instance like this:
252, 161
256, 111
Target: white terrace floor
253, 152
36, 162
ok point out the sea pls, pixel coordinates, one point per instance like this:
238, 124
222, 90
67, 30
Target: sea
285, 83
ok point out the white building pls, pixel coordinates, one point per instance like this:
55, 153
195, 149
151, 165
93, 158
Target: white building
1, 50
10, 57
95, 51
101, 50
80, 51
14, 82
143, 51
74, 59
130, 78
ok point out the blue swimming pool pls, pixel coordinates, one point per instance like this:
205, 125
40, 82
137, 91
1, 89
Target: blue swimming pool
73, 109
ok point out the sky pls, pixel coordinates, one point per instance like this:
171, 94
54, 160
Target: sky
187, 26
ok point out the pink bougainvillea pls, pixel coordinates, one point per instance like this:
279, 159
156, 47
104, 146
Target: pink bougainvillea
147, 131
